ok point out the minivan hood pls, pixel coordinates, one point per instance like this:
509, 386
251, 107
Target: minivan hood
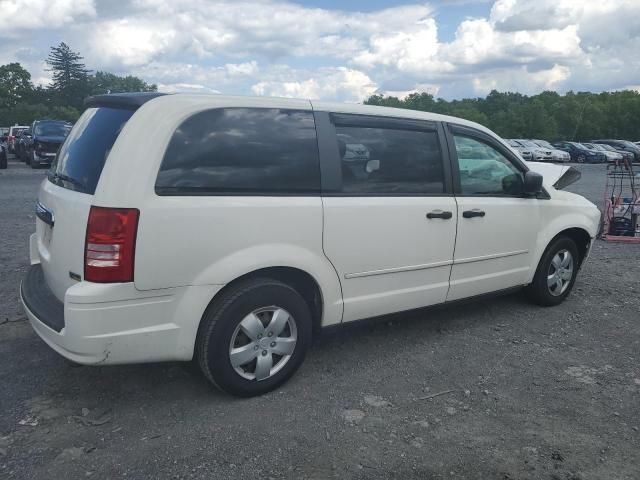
558, 176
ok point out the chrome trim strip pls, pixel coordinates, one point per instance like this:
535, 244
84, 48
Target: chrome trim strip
490, 257
408, 268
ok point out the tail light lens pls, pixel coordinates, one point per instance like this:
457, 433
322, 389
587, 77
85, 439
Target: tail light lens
110, 245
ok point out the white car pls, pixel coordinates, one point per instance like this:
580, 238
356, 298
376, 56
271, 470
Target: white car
11, 136
226, 229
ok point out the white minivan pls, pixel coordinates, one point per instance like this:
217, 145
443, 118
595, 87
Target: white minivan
230, 230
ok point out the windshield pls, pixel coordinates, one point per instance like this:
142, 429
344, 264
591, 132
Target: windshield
81, 158
529, 143
544, 144
52, 129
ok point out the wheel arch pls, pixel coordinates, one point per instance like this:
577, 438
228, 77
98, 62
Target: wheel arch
581, 238
303, 282
579, 234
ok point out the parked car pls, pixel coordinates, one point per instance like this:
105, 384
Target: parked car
46, 137
580, 153
556, 155
230, 233
627, 156
538, 153
3, 152
623, 145
11, 137
524, 152
22, 137
611, 156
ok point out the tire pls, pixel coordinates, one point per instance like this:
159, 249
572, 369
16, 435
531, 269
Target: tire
3, 161
261, 299
541, 290
30, 161
581, 158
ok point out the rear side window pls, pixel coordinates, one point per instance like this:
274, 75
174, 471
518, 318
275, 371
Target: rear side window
229, 151
390, 161
81, 158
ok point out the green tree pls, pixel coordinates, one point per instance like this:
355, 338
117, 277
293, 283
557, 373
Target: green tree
105, 82
15, 85
70, 75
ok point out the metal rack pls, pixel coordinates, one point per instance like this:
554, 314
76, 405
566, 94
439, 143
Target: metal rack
621, 217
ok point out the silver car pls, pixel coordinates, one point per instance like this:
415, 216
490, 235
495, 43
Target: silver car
539, 154
556, 155
524, 152
611, 156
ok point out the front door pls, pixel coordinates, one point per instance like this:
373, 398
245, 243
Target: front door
497, 225
390, 227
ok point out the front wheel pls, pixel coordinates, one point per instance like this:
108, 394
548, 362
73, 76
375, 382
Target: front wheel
254, 337
581, 158
556, 273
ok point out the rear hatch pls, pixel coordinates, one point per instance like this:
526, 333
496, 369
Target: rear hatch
66, 195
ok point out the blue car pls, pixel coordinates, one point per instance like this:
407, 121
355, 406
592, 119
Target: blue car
580, 153
46, 137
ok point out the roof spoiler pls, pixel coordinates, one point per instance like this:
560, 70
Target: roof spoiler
131, 101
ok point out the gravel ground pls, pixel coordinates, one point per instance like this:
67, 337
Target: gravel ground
498, 389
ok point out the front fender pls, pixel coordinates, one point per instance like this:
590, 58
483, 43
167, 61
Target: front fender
586, 219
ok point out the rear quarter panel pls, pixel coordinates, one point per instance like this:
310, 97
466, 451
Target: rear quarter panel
209, 240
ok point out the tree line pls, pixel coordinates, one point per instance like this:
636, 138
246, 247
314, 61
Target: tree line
548, 116
22, 102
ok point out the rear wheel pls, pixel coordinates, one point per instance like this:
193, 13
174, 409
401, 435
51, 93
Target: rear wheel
581, 158
3, 159
556, 273
254, 337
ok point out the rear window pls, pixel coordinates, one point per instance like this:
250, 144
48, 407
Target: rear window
81, 158
249, 151
52, 129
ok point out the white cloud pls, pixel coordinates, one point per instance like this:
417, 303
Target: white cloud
340, 83
21, 15
277, 47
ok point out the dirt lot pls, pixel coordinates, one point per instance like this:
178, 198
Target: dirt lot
525, 392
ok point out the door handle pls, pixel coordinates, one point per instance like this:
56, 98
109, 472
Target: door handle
439, 214
473, 213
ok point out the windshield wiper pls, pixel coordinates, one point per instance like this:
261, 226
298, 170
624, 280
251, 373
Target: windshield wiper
71, 180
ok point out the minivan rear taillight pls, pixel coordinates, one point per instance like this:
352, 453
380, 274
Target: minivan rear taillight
109, 249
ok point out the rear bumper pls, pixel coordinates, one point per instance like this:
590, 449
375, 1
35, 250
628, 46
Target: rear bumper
38, 299
115, 323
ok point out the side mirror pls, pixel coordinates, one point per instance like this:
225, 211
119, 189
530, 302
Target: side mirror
532, 183
372, 166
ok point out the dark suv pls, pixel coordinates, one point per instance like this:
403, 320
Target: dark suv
46, 138
624, 145
580, 153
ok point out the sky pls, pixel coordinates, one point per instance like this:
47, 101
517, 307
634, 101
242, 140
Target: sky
338, 50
